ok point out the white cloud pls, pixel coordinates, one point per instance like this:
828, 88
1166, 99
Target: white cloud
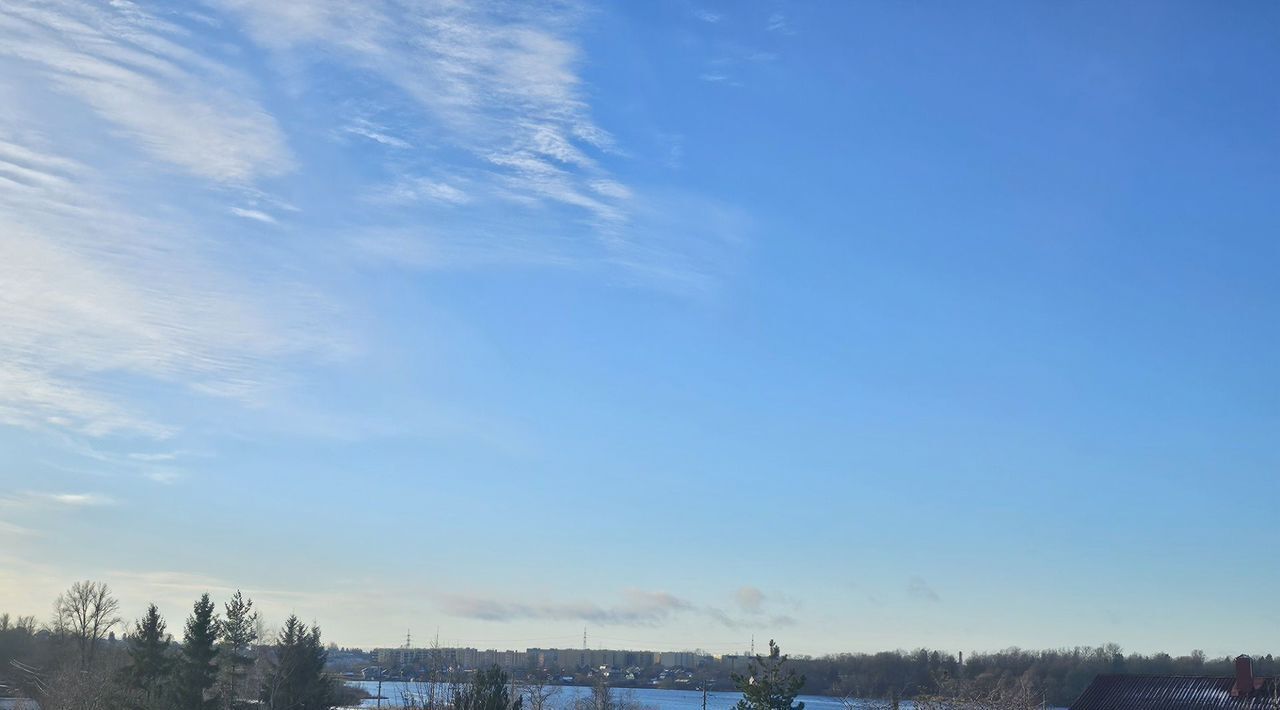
103, 283
255, 215
153, 457
163, 476
45, 499
497, 80
611, 188
94, 292
76, 500
374, 132
410, 190
133, 71
121, 130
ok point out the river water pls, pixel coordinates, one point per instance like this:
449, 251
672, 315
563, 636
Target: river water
647, 697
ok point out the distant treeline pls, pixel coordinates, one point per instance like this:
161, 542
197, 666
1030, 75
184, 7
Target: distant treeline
1057, 676
75, 661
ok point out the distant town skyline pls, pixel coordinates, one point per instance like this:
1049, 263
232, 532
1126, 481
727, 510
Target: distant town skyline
860, 326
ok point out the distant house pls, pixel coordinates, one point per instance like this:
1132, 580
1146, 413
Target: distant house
1244, 691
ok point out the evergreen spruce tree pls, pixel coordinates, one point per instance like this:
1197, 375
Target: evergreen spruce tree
235, 655
197, 676
766, 687
296, 679
149, 667
488, 690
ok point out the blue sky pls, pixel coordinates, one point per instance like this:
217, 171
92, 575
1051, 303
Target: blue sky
857, 325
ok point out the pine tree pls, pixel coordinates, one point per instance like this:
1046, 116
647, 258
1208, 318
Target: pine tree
488, 690
149, 662
296, 679
197, 670
236, 658
766, 687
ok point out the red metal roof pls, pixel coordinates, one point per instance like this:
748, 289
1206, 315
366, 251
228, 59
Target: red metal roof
1162, 692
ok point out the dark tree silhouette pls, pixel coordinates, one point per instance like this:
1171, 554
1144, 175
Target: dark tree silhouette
149, 661
488, 690
236, 657
766, 686
194, 688
296, 679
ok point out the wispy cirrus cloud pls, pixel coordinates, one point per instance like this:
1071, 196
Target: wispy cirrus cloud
134, 296
75, 500
779, 22
135, 71
102, 284
46, 499
516, 165
255, 215
133, 138
499, 78
365, 128
413, 190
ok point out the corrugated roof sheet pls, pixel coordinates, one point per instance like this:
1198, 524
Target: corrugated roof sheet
1149, 692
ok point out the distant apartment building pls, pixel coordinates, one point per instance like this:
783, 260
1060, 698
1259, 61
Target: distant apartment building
458, 658
563, 659
683, 659
398, 657
573, 659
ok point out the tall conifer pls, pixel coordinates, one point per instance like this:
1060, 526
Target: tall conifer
150, 664
236, 656
766, 686
296, 679
197, 669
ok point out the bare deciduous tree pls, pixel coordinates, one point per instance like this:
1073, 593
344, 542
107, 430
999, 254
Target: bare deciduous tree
855, 700
86, 612
538, 690
603, 698
983, 694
